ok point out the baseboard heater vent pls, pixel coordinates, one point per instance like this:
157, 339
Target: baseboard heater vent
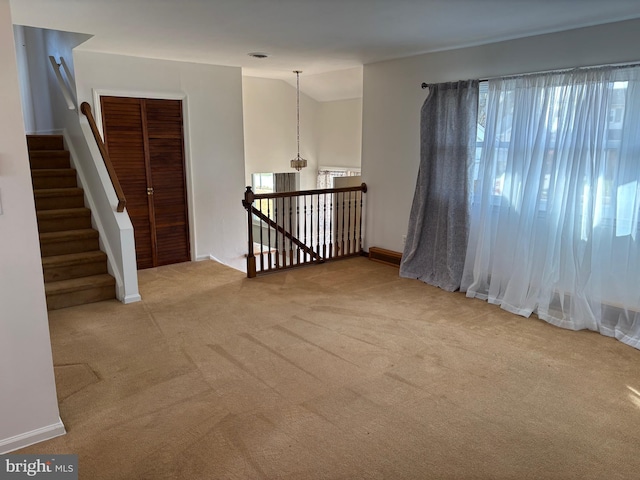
382, 255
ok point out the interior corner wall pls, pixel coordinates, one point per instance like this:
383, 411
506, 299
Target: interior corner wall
28, 404
44, 107
214, 143
330, 132
270, 129
34, 74
392, 99
340, 133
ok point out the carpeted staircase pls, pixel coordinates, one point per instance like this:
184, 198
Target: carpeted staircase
75, 270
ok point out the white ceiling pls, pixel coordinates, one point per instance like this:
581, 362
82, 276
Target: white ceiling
315, 36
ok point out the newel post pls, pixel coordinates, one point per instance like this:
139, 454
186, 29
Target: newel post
251, 258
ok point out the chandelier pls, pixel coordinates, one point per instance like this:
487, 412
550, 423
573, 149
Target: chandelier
298, 163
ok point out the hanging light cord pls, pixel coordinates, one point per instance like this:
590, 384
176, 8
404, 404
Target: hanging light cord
298, 163
298, 108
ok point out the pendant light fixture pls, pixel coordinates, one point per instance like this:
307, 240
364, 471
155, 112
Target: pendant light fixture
298, 163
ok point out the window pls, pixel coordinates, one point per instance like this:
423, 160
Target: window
271, 183
554, 224
327, 174
263, 183
553, 136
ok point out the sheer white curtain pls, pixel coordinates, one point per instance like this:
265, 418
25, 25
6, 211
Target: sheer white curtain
554, 222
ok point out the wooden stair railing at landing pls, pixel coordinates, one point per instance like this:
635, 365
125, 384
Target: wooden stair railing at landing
85, 108
74, 267
292, 229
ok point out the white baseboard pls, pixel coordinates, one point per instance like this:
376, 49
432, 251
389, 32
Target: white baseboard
131, 298
241, 266
48, 132
29, 438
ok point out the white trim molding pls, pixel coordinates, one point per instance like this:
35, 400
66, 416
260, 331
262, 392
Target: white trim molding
34, 436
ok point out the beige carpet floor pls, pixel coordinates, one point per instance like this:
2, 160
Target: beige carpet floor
340, 371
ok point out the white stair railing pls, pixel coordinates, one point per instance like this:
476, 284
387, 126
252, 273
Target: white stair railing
64, 87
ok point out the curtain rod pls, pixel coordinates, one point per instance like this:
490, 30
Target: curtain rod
507, 77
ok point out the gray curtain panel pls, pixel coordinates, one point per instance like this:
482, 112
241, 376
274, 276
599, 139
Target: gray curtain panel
436, 241
285, 182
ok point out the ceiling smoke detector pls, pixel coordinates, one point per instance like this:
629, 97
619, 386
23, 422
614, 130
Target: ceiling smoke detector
258, 54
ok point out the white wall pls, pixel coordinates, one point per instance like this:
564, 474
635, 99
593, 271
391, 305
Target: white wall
270, 129
44, 107
340, 133
214, 142
28, 404
392, 99
330, 132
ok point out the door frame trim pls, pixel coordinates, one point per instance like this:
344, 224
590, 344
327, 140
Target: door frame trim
160, 95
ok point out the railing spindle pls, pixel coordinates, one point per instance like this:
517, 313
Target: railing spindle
349, 227
318, 225
305, 228
290, 229
311, 222
342, 229
331, 215
324, 226
285, 250
269, 237
298, 228
276, 259
261, 226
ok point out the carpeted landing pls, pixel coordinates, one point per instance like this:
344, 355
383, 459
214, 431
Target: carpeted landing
340, 371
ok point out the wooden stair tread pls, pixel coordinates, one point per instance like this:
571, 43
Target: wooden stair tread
69, 235
63, 219
49, 178
78, 284
73, 258
49, 159
63, 212
58, 198
74, 269
57, 192
48, 153
53, 172
45, 142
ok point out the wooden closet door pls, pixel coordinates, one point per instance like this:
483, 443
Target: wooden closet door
122, 123
166, 159
144, 138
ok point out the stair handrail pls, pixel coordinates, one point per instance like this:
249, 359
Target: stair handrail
299, 193
316, 257
287, 234
64, 87
122, 202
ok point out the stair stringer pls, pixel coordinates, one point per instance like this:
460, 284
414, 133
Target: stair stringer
115, 228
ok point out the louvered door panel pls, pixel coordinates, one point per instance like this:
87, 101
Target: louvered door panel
122, 122
147, 138
164, 127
